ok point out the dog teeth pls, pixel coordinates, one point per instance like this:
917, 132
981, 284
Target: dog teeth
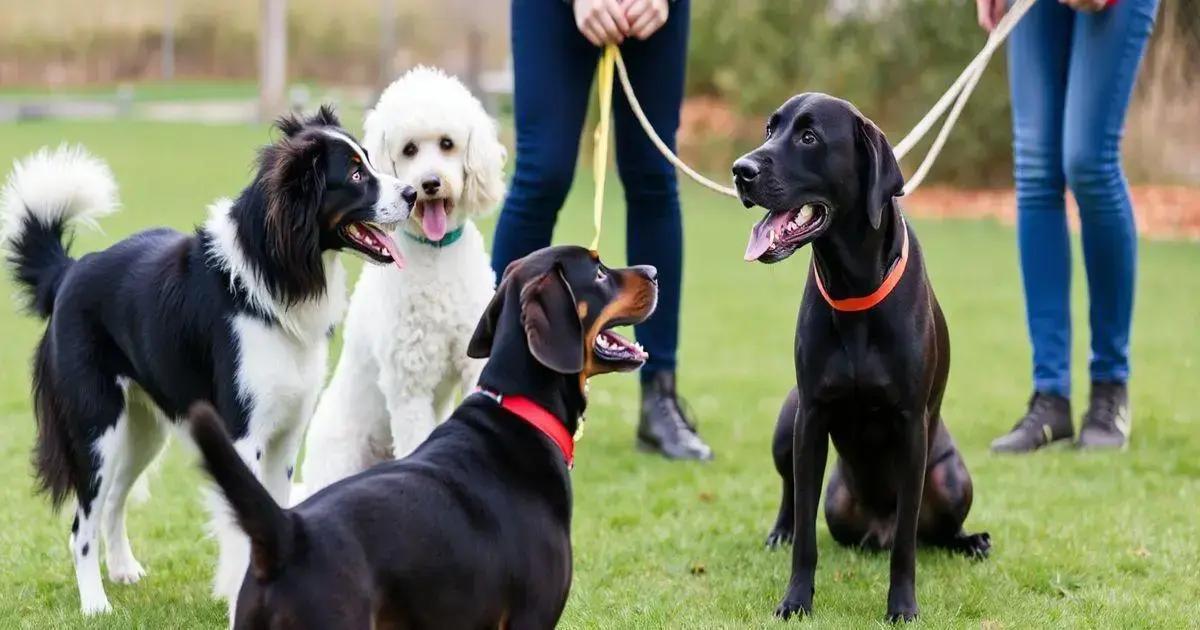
353, 230
806, 212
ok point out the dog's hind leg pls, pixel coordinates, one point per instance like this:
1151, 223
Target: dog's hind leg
108, 421
781, 450
948, 496
139, 438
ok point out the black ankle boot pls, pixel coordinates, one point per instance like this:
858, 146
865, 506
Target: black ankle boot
1107, 422
1047, 420
663, 427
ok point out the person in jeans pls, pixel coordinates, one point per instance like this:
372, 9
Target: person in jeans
556, 47
1072, 69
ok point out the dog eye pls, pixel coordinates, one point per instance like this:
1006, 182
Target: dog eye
808, 137
446, 144
601, 274
410, 150
356, 176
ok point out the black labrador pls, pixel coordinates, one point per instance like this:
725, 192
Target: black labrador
473, 529
872, 351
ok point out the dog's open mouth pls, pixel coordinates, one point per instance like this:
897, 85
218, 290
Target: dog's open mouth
432, 214
617, 351
373, 242
782, 232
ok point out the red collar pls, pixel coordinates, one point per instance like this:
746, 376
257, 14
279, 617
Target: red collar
537, 415
867, 302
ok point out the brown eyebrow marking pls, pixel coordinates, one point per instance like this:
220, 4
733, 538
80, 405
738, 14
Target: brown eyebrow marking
582, 309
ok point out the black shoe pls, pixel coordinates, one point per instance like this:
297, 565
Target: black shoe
664, 427
1048, 420
1107, 422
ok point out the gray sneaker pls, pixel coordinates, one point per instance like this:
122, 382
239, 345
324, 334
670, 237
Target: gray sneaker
1047, 420
1107, 422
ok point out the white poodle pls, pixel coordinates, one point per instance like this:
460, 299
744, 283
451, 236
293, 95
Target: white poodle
404, 361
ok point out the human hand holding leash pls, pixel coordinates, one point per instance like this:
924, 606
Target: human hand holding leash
990, 12
645, 16
601, 21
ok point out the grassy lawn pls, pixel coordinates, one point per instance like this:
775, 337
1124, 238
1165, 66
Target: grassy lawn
187, 90
1093, 540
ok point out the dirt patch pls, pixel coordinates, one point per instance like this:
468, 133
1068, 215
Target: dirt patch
1166, 212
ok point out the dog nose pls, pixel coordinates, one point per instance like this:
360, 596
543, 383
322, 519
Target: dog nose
649, 271
745, 170
409, 195
431, 184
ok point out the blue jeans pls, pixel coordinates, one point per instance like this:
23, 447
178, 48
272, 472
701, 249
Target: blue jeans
1071, 75
554, 66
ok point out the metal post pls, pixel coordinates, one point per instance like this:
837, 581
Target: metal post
272, 62
168, 40
387, 42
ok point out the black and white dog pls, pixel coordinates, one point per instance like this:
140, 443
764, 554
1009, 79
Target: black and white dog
237, 314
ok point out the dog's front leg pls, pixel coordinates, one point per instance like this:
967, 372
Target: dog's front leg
811, 445
902, 593
412, 419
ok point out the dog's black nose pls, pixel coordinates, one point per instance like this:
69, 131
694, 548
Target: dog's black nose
431, 184
409, 195
650, 271
745, 170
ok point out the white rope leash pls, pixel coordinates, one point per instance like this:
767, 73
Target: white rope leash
958, 94
966, 82
649, 129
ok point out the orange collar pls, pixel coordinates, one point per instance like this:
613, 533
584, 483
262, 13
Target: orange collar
541, 419
867, 302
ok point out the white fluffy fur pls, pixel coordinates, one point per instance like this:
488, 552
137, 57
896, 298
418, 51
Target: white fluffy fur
404, 361
279, 374
64, 183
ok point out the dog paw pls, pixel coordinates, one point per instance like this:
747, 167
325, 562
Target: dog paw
976, 546
95, 606
779, 537
902, 615
127, 571
787, 609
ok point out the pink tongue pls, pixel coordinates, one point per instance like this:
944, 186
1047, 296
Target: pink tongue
433, 222
390, 246
760, 235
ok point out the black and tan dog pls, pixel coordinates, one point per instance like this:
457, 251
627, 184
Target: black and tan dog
872, 351
473, 529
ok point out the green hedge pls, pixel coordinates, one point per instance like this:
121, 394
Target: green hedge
893, 61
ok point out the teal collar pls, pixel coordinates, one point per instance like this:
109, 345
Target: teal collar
446, 241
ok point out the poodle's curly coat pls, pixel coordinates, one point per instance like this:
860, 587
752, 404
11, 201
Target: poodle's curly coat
404, 360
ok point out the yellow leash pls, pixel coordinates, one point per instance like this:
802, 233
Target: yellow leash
600, 139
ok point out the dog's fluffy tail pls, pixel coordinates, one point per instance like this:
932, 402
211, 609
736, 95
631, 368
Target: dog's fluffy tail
45, 192
271, 529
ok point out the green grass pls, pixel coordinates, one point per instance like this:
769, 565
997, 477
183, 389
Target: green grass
1081, 540
187, 90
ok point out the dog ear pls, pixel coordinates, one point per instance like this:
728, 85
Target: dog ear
295, 185
551, 322
880, 176
325, 117
483, 166
291, 124
480, 346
